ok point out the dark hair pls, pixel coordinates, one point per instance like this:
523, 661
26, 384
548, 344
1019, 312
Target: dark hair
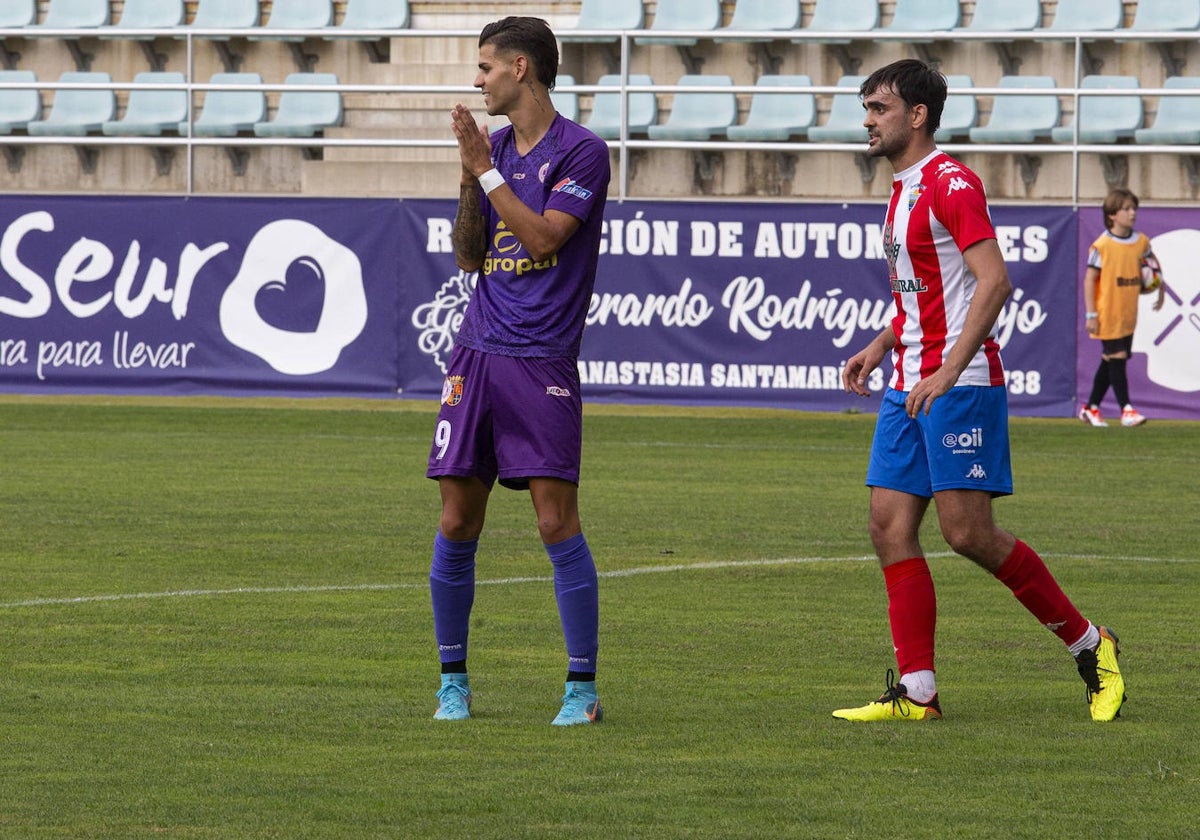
1114, 201
916, 83
529, 36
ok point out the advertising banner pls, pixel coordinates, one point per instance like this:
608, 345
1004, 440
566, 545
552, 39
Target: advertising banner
198, 295
757, 304
1164, 369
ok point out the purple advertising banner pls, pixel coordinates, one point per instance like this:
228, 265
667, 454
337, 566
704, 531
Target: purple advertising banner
695, 303
758, 304
217, 296
1164, 368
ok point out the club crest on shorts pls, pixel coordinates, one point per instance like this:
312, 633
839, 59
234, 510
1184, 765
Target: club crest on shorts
452, 390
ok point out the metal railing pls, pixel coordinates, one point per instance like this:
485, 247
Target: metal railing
624, 39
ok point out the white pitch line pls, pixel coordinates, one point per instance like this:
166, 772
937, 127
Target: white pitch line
616, 573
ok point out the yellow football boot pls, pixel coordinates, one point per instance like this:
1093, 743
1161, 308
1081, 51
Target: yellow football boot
893, 704
1105, 685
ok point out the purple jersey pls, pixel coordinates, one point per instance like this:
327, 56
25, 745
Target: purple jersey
522, 308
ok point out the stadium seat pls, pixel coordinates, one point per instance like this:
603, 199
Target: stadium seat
1020, 118
227, 113
146, 14
373, 14
225, 14
605, 14
700, 115
17, 13
18, 107
76, 113
763, 15
1166, 15
74, 14
845, 121
1104, 119
1088, 15
961, 113
304, 113
296, 14
565, 103
1003, 17
926, 16
856, 18
851, 16
777, 116
1006, 16
674, 15
642, 108
151, 112
1177, 122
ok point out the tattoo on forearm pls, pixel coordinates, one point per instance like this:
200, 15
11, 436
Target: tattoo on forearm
468, 236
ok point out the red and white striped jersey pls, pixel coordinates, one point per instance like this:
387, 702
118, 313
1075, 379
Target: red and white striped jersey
938, 209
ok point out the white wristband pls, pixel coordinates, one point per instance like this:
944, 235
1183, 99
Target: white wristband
490, 180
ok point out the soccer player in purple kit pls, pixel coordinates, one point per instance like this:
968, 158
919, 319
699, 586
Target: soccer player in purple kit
530, 215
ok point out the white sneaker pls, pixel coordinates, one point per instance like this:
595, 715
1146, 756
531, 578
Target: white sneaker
1091, 415
1130, 416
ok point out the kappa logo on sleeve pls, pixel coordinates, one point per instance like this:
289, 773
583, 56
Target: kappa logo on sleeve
570, 187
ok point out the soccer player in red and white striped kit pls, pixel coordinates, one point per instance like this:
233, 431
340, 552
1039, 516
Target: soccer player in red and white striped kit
942, 430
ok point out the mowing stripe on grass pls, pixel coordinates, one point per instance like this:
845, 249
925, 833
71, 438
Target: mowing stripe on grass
617, 573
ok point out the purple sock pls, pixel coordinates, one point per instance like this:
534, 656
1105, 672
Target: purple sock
452, 586
578, 596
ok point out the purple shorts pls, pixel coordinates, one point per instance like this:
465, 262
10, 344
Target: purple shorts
507, 417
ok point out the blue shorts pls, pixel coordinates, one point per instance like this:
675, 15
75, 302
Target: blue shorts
507, 417
961, 445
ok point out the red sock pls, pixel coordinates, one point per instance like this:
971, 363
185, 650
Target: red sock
912, 611
1027, 576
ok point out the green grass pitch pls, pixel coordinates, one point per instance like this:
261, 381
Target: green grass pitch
215, 623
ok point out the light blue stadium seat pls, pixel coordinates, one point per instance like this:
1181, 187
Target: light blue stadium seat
151, 112
852, 16
763, 15
18, 108
75, 14
225, 14
296, 14
605, 14
1020, 118
1006, 16
375, 14
227, 113
304, 113
76, 113
642, 108
961, 113
17, 13
1167, 15
926, 16
1088, 15
777, 116
565, 103
1177, 122
1104, 119
146, 14
845, 121
701, 115
674, 15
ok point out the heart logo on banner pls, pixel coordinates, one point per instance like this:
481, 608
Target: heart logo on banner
296, 302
